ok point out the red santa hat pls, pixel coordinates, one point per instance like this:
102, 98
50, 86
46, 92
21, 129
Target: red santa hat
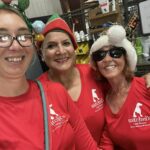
54, 23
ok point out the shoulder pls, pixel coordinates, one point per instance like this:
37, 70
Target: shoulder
86, 70
43, 76
46, 85
55, 92
139, 85
33, 85
54, 87
83, 67
139, 81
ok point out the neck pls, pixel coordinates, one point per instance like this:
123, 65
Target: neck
66, 78
13, 87
118, 93
119, 85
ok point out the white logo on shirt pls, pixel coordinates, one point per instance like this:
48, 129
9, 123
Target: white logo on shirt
138, 119
52, 112
57, 120
97, 102
137, 110
94, 95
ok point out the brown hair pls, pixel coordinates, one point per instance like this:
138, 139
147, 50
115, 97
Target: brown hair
127, 71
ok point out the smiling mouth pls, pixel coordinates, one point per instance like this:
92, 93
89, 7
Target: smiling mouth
110, 67
60, 60
15, 59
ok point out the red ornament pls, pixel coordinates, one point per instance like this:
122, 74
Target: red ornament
7, 1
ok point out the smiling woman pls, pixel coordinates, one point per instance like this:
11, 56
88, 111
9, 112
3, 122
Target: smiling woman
58, 52
127, 100
10, 44
32, 119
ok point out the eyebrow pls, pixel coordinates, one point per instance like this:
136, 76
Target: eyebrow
23, 29
2, 29
19, 30
53, 42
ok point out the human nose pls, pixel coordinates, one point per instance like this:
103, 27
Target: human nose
60, 49
15, 45
107, 57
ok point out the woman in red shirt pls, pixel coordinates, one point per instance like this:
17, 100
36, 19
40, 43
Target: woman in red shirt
58, 52
21, 109
127, 109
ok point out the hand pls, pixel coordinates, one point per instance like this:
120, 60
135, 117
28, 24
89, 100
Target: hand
147, 79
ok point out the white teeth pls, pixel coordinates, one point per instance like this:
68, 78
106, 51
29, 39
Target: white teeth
61, 59
110, 67
15, 59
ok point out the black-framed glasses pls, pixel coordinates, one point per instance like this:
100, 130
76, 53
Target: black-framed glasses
24, 40
115, 52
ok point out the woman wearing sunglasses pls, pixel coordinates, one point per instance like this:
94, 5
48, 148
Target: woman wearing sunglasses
127, 109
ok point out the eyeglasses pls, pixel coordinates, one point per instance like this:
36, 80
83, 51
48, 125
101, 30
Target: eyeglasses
24, 40
115, 52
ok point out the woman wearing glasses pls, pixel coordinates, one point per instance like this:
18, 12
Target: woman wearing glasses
127, 109
23, 124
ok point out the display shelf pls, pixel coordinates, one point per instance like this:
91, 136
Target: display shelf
92, 31
83, 48
143, 66
102, 16
101, 21
130, 7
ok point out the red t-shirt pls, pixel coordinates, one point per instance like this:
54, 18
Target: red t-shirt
90, 101
21, 122
129, 128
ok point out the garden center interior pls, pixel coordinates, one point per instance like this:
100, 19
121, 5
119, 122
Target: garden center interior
89, 19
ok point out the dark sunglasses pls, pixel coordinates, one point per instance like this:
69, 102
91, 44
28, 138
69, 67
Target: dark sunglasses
115, 52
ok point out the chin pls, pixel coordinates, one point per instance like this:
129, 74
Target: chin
62, 68
111, 75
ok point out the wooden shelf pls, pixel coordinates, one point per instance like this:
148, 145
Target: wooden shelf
97, 19
99, 16
112, 17
97, 30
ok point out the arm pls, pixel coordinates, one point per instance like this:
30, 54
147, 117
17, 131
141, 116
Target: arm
105, 141
83, 137
63, 103
147, 79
